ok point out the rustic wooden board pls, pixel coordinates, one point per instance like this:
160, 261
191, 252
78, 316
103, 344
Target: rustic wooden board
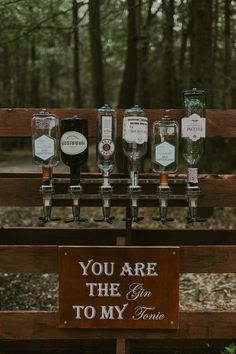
95, 237
118, 287
216, 190
40, 259
20, 119
33, 325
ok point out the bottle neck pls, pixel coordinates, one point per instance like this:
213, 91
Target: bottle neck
47, 174
163, 179
74, 175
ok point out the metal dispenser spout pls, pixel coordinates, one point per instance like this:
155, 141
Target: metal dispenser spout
75, 191
164, 192
134, 191
192, 194
106, 191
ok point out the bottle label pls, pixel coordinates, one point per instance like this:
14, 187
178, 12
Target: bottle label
107, 127
106, 147
193, 127
192, 176
73, 143
135, 130
44, 147
164, 153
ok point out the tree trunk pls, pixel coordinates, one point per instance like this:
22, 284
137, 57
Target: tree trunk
35, 81
201, 46
96, 52
143, 57
76, 62
185, 34
227, 56
129, 81
168, 64
215, 38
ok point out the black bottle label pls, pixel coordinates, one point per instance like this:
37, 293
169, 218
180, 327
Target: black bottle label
73, 143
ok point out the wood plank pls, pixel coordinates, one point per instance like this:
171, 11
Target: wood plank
31, 259
123, 346
44, 259
80, 345
83, 345
33, 325
16, 122
59, 236
93, 236
216, 190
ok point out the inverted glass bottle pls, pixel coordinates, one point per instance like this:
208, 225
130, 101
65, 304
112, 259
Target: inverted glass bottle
193, 126
45, 138
135, 133
74, 145
106, 139
165, 135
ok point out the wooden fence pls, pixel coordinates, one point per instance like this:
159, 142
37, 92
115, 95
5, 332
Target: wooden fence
35, 250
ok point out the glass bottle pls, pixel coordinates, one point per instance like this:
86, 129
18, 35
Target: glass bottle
165, 144
193, 130
135, 133
45, 138
106, 139
74, 145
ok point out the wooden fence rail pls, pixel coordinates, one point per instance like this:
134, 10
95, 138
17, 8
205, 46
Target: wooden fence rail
35, 250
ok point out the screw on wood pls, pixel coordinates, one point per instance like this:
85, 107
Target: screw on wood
65, 254
172, 323
174, 253
65, 322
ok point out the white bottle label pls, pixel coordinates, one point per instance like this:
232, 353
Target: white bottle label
193, 127
192, 176
106, 147
135, 130
107, 127
164, 153
44, 147
73, 143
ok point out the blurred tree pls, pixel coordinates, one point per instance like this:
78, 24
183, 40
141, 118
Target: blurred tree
168, 60
96, 52
129, 79
76, 60
227, 54
201, 46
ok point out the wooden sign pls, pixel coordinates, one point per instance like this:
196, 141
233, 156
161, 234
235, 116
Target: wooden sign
118, 287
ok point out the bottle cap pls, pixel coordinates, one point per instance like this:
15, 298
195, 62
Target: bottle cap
135, 110
194, 91
106, 109
43, 114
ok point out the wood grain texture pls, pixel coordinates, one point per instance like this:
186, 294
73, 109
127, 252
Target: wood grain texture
17, 122
33, 325
44, 259
216, 190
83, 345
94, 236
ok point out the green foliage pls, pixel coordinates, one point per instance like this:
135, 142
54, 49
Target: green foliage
36, 50
231, 349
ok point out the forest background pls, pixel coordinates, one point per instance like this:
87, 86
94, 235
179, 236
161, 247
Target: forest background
72, 53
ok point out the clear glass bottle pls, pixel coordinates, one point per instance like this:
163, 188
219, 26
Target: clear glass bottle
165, 136
106, 138
45, 138
135, 133
193, 126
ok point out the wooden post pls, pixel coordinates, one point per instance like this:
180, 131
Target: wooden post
122, 346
